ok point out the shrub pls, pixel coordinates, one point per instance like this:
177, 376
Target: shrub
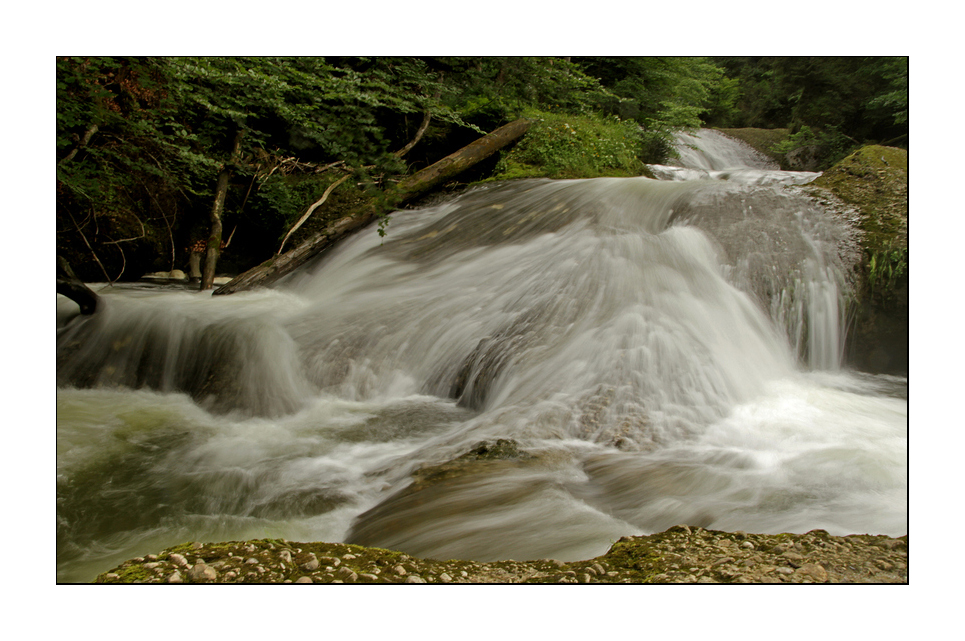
574, 146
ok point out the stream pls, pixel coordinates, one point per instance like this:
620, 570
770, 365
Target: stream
632, 353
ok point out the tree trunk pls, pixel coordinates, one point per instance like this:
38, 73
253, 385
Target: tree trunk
214, 239
416, 185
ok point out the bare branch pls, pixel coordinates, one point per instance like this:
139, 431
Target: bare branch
311, 209
83, 143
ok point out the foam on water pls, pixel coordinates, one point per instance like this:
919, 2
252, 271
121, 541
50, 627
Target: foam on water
661, 351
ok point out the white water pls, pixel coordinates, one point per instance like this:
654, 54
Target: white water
667, 352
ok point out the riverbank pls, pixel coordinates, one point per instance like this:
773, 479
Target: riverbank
681, 554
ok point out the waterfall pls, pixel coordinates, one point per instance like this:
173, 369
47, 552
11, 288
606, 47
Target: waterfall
661, 351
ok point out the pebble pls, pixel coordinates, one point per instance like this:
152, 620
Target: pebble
370, 577
304, 579
202, 572
347, 575
747, 545
175, 577
252, 561
285, 556
311, 565
399, 570
412, 578
445, 578
331, 560
599, 569
178, 560
814, 571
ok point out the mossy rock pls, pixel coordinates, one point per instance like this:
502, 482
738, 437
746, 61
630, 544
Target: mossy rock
874, 180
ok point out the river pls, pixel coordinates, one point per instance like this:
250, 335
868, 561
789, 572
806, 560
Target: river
659, 351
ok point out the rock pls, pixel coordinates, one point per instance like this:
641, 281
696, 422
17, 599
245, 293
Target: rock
600, 571
202, 572
334, 561
347, 575
304, 579
175, 577
807, 158
178, 560
399, 570
412, 578
815, 571
445, 578
285, 556
310, 564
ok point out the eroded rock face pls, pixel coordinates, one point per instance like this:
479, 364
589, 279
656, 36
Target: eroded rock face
681, 554
807, 158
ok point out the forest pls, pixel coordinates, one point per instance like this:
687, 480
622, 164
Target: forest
162, 161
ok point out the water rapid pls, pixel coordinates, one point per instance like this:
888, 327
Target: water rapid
527, 370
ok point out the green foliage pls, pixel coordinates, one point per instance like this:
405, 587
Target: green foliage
571, 146
862, 98
141, 140
885, 267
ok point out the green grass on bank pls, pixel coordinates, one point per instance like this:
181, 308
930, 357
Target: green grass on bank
574, 146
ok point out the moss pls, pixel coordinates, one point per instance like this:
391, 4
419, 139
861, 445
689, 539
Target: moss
127, 573
638, 557
875, 180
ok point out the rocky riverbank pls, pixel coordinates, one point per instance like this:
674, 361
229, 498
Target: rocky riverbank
681, 554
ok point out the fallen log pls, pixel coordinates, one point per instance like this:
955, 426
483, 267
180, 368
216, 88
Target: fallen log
416, 185
453, 164
73, 288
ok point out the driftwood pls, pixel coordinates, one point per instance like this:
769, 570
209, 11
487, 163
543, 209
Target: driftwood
73, 288
416, 185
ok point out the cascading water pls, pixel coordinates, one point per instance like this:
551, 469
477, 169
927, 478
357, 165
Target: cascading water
654, 352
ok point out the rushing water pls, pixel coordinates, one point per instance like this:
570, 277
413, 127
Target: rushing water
662, 352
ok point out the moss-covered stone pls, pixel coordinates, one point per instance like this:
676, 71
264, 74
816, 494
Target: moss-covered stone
874, 180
